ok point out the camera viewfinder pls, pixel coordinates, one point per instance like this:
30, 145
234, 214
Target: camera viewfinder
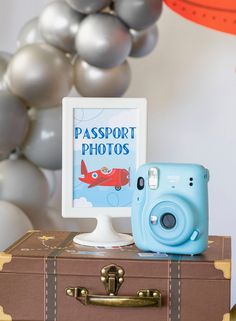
140, 183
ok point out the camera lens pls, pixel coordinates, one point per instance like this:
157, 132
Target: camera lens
140, 183
168, 221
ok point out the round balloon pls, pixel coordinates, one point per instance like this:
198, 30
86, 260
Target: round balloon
29, 33
14, 122
138, 14
88, 6
24, 185
40, 74
13, 224
4, 61
52, 181
94, 82
144, 41
59, 24
103, 40
43, 145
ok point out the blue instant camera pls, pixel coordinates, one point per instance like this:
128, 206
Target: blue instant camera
170, 208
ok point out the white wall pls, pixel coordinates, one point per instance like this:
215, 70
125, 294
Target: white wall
190, 83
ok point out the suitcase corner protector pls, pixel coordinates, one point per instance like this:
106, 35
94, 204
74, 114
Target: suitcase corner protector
4, 258
225, 267
3, 316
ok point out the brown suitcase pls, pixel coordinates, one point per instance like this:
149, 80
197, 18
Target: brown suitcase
45, 277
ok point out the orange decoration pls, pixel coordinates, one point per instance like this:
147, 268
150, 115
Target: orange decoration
215, 14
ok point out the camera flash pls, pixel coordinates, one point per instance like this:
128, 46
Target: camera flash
153, 178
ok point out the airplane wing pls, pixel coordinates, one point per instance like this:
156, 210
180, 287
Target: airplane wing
99, 181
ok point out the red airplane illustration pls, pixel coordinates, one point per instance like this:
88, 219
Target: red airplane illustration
116, 177
216, 14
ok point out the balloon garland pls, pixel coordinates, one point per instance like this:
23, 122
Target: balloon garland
80, 43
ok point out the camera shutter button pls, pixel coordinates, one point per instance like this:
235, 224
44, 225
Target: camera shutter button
194, 235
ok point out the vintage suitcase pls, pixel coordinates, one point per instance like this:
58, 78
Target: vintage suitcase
45, 277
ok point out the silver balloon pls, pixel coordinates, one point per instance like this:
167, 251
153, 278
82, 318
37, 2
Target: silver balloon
29, 33
138, 14
94, 82
59, 24
24, 185
43, 145
41, 75
144, 41
88, 6
103, 40
14, 122
4, 61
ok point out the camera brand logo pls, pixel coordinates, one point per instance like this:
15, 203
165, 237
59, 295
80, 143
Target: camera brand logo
173, 178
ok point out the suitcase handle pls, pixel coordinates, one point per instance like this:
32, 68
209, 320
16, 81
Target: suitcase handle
144, 298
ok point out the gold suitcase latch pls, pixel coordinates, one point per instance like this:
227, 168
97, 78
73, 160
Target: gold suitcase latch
112, 276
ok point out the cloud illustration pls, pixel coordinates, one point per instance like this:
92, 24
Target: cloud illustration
125, 117
82, 202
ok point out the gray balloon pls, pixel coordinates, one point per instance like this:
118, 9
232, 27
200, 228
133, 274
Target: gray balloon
144, 41
4, 61
41, 75
59, 24
25, 186
103, 40
139, 14
94, 82
43, 145
14, 122
29, 33
88, 6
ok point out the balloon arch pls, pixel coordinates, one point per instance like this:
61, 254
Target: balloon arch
80, 43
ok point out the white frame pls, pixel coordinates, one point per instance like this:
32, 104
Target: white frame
71, 103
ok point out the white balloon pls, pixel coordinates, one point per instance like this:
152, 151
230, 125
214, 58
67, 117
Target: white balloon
5, 58
13, 224
24, 185
52, 181
29, 33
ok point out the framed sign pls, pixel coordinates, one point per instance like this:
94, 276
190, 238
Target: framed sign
104, 141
